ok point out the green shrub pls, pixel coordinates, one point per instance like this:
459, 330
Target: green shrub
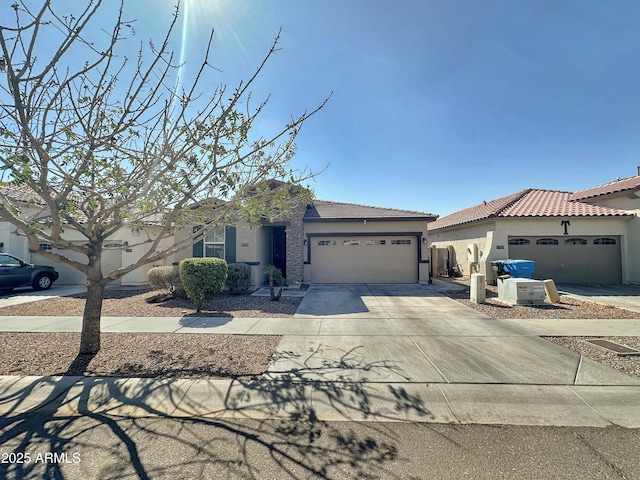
202, 278
166, 277
275, 274
238, 277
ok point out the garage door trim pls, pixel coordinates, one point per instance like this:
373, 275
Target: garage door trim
310, 236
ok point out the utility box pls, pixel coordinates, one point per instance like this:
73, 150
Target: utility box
521, 291
478, 288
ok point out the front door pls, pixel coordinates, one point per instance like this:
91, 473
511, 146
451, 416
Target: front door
279, 254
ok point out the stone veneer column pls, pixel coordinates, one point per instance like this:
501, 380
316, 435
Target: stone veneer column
295, 246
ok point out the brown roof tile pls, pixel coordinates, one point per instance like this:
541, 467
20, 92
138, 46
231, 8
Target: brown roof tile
552, 203
531, 203
478, 212
322, 210
20, 193
620, 185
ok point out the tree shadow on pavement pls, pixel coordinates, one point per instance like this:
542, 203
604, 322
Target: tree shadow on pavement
275, 427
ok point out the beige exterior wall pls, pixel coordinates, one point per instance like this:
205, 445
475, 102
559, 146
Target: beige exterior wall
461, 238
253, 246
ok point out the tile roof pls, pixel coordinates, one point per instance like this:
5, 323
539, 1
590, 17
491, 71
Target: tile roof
321, 210
20, 193
553, 203
478, 212
617, 186
530, 203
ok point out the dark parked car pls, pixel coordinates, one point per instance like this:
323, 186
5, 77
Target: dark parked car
16, 273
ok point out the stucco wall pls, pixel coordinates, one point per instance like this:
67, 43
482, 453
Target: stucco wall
460, 238
252, 247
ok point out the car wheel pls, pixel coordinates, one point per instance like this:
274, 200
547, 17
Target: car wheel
42, 282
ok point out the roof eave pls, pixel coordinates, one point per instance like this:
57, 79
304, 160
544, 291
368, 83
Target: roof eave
371, 219
463, 224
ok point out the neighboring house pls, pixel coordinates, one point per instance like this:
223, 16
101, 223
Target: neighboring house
329, 242
323, 242
117, 250
591, 236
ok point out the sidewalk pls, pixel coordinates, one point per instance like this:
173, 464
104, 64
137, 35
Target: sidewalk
331, 326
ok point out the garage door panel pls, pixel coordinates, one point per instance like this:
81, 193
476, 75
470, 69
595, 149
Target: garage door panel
570, 261
364, 260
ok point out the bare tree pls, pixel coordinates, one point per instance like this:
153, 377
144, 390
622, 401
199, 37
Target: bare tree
110, 142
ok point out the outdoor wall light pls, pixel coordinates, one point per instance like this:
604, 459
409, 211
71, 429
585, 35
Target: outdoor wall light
305, 242
424, 240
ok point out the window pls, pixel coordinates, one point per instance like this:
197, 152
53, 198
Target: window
324, 243
375, 242
46, 246
351, 243
214, 244
401, 242
112, 246
519, 241
604, 241
575, 241
547, 241
9, 261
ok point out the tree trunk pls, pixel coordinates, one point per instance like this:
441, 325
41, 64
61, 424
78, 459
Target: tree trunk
90, 339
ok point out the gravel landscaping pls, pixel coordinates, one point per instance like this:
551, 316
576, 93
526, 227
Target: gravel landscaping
134, 303
156, 355
230, 356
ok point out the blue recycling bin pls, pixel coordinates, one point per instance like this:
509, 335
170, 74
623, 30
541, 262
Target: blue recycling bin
519, 268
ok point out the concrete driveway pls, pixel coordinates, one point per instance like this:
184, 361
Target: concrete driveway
621, 296
28, 295
412, 333
375, 301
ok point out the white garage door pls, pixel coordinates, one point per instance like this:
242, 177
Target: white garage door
375, 259
585, 259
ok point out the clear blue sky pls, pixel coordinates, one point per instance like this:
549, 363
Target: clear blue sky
437, 105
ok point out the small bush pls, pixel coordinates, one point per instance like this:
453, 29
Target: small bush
238, 277
202, 278
166, 277
275, 275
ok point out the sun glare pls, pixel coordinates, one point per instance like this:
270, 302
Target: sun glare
198, 18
